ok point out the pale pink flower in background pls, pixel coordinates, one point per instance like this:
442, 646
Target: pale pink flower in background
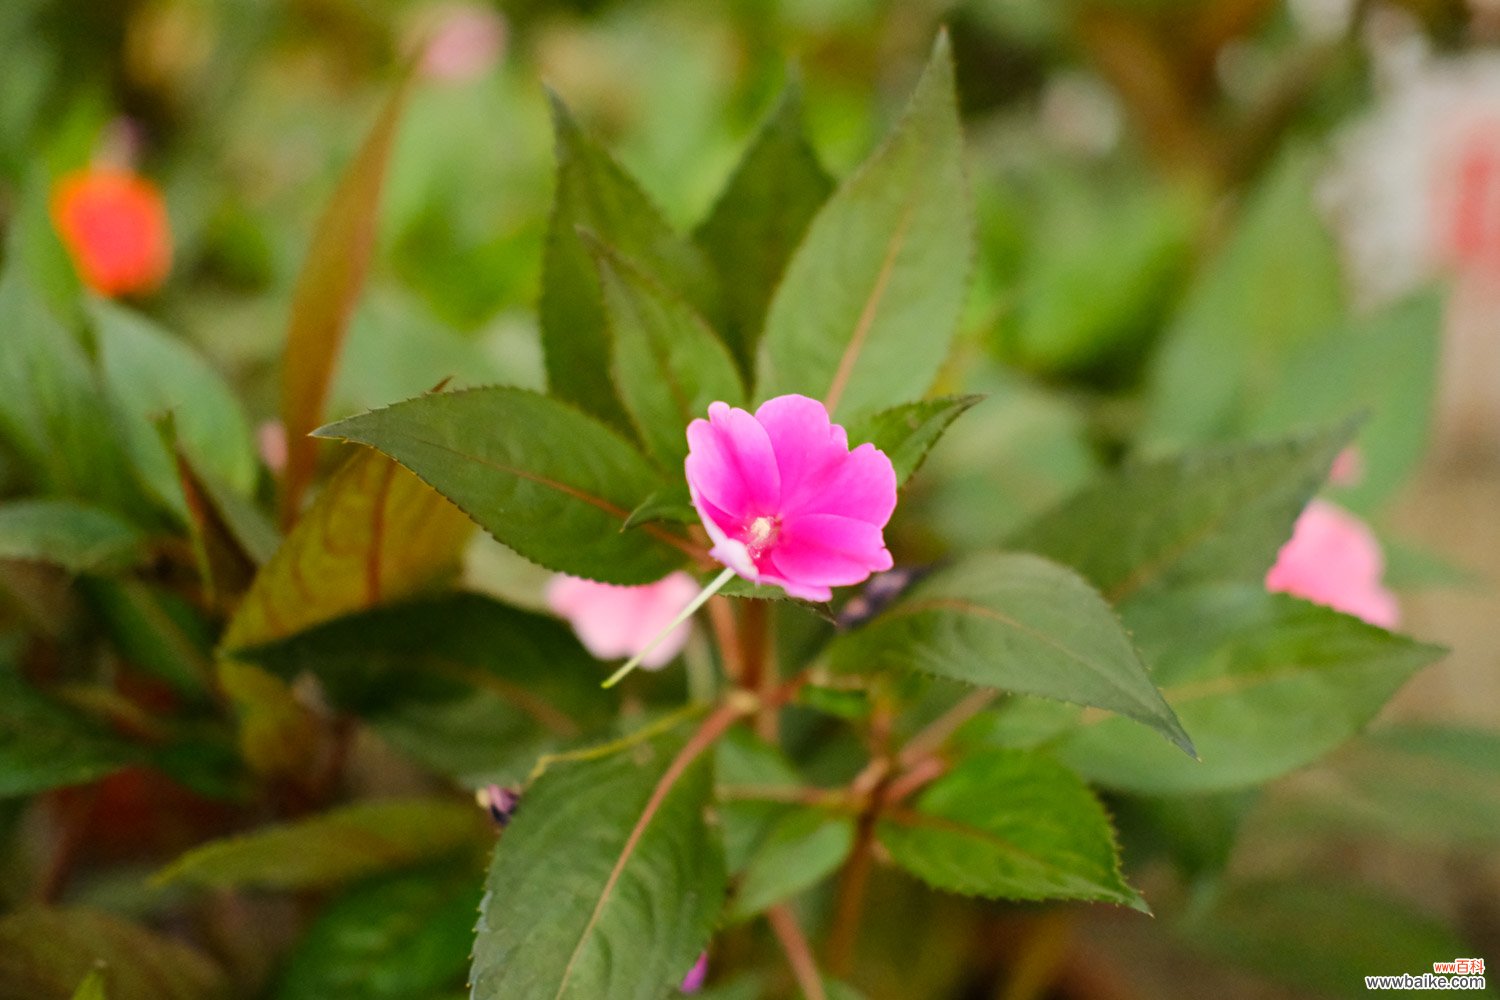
463, 41
693, 981
785, 500
1333, 559
270, 440
613, 621
1348, 467
1414, 187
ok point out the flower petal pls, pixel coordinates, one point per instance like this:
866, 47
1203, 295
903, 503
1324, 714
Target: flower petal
731, 464
809, 446
862, 486
829, 550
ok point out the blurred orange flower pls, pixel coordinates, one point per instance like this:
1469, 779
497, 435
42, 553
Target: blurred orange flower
114, 224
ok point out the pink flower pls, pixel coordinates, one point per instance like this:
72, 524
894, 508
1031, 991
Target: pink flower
693, 981
1348, 467
270, 439
785, 500
613, 621
463, 41
1333, 559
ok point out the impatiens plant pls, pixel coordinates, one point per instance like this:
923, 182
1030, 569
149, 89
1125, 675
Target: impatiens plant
723, 482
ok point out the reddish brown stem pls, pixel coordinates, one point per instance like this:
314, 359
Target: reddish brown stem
798, 953
937, 732
721, 618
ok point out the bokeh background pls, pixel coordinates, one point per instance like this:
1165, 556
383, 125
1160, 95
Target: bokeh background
1174, 195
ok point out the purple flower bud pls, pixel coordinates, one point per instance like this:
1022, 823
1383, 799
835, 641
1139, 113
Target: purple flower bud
500, 802
693, 981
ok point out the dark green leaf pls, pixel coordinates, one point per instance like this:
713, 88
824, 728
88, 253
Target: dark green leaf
668, 366
907, 433
799, 851
599, 888
1017, 623
1011, 825
1264, 682
760, 218
44, 745
550, 482
335, 847
670, 503
77, 537
871, 298
45, 953
400, 938
51, 410
1214, 515
442, 649
156, 631
1339, 935
147, 375
595, 193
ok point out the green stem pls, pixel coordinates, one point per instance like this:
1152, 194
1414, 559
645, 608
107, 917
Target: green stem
682, 616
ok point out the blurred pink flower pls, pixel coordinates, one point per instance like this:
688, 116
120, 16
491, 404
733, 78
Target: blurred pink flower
1333, 559
1414, 189
1348, 467
463, 41
693, 981
613, 621
785, 500
270, 439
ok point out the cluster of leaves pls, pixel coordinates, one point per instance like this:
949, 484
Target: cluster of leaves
1120, 644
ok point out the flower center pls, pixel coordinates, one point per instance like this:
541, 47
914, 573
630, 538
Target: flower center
762, 532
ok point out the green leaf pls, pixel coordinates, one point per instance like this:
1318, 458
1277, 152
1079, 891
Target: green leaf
1220, 514
1012, 825
672, 502
1385, 365
906, 433
760, 218
335, 847
1428, 784
398, 938
1340, 934
51, 410
871, 298
92, 987
442, 649
156, 631
607, 883
541, 477
667, 364
147, 375
328, 287
1017, 623
594, 193
376, 533
44, 745
45, 953
1274, 286
799, 851
1104, 260
75, 536
1264, 682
